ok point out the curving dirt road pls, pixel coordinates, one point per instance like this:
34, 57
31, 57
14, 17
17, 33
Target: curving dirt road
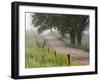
81, 56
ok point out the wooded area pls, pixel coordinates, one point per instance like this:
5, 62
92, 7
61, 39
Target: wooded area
74, 25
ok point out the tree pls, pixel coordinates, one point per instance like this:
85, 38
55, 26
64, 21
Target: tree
43, 21
72, 24
82, 23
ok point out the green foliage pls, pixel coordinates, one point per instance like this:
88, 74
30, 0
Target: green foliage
72, 24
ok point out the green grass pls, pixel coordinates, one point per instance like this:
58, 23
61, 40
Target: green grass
36, 56
39, 57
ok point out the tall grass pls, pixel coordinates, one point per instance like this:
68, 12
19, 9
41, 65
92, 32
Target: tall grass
39, 57
36, 56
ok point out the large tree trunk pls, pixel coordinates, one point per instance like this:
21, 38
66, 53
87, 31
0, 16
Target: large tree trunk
79, 38
72, 38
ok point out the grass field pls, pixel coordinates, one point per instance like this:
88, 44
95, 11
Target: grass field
38, 57
43, 57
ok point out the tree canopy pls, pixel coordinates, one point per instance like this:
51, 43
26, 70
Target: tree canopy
72, 24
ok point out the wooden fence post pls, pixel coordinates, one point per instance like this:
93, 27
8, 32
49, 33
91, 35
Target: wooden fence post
68, 56
55, 53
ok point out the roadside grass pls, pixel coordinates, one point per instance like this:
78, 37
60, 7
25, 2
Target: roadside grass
41, 57
36, 56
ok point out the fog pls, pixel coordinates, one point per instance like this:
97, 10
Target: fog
29, 25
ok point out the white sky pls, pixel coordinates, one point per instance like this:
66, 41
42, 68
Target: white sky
29, 25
